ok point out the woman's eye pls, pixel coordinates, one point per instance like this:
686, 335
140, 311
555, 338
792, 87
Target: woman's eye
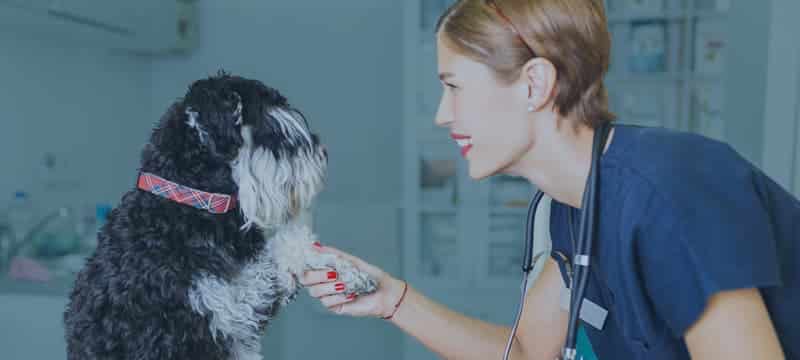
450, 85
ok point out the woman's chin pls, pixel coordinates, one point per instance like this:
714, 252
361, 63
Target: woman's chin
480, 172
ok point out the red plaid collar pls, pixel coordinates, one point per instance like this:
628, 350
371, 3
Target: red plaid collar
213, 203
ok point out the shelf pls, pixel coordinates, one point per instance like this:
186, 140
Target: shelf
509, 193
709, 14
434, 136
438, 209
669, 15
59, 287
615, 18
503, 247
714, 78
647, 77
505, 210
441, 252
454, 209
706, 110
60, 274
438, 174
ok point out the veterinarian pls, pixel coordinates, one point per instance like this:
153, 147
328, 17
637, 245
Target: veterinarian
697, 252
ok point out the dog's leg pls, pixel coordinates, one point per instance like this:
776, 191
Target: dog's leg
293, 253
240, 308
231, 311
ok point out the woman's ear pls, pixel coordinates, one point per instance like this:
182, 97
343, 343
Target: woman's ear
540, 76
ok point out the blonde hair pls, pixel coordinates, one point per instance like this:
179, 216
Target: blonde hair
572, 34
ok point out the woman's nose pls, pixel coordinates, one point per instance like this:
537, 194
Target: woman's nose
443, 117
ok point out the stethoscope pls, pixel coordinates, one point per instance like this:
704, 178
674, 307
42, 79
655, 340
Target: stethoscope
579, 273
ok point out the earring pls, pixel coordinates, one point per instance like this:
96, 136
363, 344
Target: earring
530, 92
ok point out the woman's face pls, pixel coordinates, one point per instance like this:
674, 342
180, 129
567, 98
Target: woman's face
488, 120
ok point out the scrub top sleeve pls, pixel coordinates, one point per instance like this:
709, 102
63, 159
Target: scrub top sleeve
687, 252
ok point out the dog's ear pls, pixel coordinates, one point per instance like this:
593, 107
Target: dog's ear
179, 134
224, 125
228, 127
212, 116
193, 132
191, 121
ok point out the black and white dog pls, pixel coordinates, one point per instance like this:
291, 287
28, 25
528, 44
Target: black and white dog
199, 257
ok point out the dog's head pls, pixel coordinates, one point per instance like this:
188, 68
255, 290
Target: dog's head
250, 130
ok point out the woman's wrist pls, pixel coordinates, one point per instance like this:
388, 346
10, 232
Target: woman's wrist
395, 295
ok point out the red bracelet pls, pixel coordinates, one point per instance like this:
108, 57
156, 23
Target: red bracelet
405, 289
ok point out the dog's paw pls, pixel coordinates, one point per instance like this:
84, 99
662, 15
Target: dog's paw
289, 298
356, 281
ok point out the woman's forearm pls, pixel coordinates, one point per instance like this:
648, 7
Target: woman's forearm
449, 334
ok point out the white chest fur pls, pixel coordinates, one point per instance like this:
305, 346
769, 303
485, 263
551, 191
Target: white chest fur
232, 305
271, 279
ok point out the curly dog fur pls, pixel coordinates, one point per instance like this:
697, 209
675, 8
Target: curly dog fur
170, 281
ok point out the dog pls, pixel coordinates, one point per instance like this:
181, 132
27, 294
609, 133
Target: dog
201, 254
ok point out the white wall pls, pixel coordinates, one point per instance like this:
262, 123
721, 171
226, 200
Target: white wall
31, 327
748, 34
92, 110
88, 107
781, 118
794, 149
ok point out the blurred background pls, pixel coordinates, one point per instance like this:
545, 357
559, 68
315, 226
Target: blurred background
83, 81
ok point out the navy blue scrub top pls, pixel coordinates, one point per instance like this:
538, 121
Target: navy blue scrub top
682, 217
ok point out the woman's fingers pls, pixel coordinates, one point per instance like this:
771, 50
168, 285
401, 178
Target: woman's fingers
333, 302
335, 299
314, 277
326, 289
361, 264
341, 254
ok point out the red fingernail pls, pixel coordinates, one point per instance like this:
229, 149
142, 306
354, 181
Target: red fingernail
351, 296
332, 275
339, 287
317, 244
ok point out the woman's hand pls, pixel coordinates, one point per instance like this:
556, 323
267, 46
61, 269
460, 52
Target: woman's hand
322, 284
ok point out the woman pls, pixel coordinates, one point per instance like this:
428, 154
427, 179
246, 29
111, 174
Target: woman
697, 253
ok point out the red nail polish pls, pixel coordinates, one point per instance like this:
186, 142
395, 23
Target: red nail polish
339, 287
351, 296
317, 244
332, 275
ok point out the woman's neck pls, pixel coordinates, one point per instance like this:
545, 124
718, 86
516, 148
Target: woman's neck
558, 163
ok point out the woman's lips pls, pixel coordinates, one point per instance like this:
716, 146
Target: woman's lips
464, 142
465, 150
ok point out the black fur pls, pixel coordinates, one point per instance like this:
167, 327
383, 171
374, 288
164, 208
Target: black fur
130, 300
